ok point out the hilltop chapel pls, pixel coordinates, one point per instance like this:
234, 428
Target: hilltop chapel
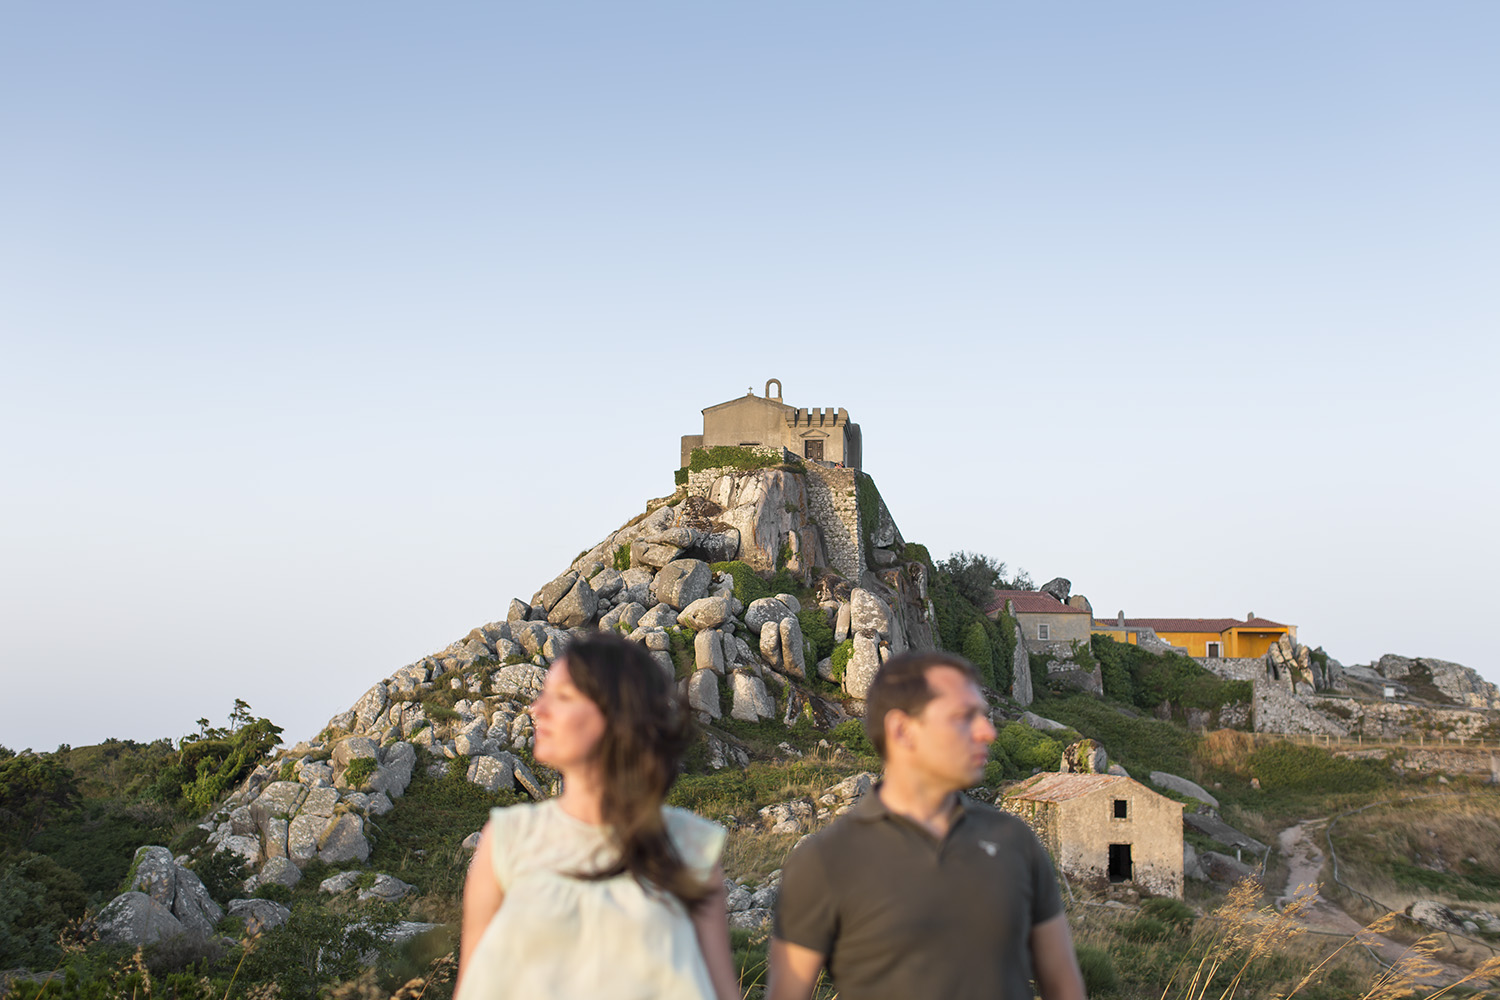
824, 435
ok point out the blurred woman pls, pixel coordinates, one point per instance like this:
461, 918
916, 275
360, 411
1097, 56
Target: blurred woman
602, 891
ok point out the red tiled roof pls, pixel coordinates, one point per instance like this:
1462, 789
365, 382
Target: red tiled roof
1031, 602
1052, 787
1214, 625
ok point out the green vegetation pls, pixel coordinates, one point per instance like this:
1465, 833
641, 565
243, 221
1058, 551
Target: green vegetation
726, 456
960, 589
1139, 743
359, 771
1136, 676
622, 558
751, 586
841, 655
817, 634
70, 821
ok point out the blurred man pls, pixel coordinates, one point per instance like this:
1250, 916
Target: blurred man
919, 891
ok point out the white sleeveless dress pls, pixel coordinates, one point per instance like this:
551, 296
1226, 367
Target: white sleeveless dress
555, 936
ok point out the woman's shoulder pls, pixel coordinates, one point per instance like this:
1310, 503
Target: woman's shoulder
698, 840
519, 819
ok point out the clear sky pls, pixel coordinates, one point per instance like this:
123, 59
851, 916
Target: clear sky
326, 329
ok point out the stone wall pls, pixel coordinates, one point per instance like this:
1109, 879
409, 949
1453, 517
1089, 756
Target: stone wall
1387, 719
1247, 668
833, 506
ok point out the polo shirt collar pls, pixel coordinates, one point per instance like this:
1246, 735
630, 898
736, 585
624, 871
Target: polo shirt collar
870, 808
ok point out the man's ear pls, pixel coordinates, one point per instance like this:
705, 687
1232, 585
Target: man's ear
897, 728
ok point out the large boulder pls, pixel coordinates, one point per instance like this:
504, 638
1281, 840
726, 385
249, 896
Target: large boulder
259, 915
576, 608
863, 664
703, 693
793, 655
681, 582
554, 591
135, 919
770, 643
193, 907
155, 873
492, 774
394, 773
767, 609
344, 840
868, 614
1182, 786
1020, 672
1057, 587
659, 617
752, 702
707, 612
708, 650
369, 706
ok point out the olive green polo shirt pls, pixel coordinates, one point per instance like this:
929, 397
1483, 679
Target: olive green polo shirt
901, 914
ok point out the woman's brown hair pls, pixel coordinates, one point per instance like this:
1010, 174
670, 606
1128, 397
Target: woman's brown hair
647, 731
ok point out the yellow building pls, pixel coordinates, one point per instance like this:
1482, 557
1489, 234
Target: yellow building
1212, 638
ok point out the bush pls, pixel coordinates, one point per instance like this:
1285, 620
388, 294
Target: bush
840, 656
223, 874
275, 892
622, 558
1289, 767
359, 771
1029, 749
817, 634
1098, 968
1172, 912
978, 651
850, 734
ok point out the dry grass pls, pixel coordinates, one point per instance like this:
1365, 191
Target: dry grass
1439, 848
750, 855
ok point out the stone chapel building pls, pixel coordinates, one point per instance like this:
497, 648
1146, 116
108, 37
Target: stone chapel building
822, 435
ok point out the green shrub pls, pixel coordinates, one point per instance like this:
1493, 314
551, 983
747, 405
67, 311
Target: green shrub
275, 892
913, 552
1029, 749
726, 456
1289, 767
622, 558
850, 734
223, 874
680, 478
978, 651
817, 634
1170, 911
841, 655
436, 711
1144, 929
359, 771
1098, 968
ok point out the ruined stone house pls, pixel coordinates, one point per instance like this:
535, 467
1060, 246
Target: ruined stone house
1047, 624
1104, 829
822, 435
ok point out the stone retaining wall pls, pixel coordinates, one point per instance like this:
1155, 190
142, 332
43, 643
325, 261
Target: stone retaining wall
832, 502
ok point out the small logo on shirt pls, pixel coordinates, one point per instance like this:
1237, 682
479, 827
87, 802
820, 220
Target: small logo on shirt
988, 847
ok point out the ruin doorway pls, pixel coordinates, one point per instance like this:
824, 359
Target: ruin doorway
1120, 868
813, 448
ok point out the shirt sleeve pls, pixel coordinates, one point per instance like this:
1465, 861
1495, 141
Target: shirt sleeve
806, 912
699, 841
503, 836
1046, 900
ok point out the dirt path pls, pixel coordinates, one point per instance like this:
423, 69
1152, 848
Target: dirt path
1299, 845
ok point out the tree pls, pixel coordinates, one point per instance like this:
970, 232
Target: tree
33, 791
978, 651
974, 576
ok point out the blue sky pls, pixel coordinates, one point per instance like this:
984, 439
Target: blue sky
327, 330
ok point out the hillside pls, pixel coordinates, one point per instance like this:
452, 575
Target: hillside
772, 589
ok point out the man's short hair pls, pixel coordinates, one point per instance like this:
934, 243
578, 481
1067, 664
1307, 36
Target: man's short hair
901, 685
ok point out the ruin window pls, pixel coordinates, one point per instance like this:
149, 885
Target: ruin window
1215, 650
1122, 809
1120, 868
1044, 631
